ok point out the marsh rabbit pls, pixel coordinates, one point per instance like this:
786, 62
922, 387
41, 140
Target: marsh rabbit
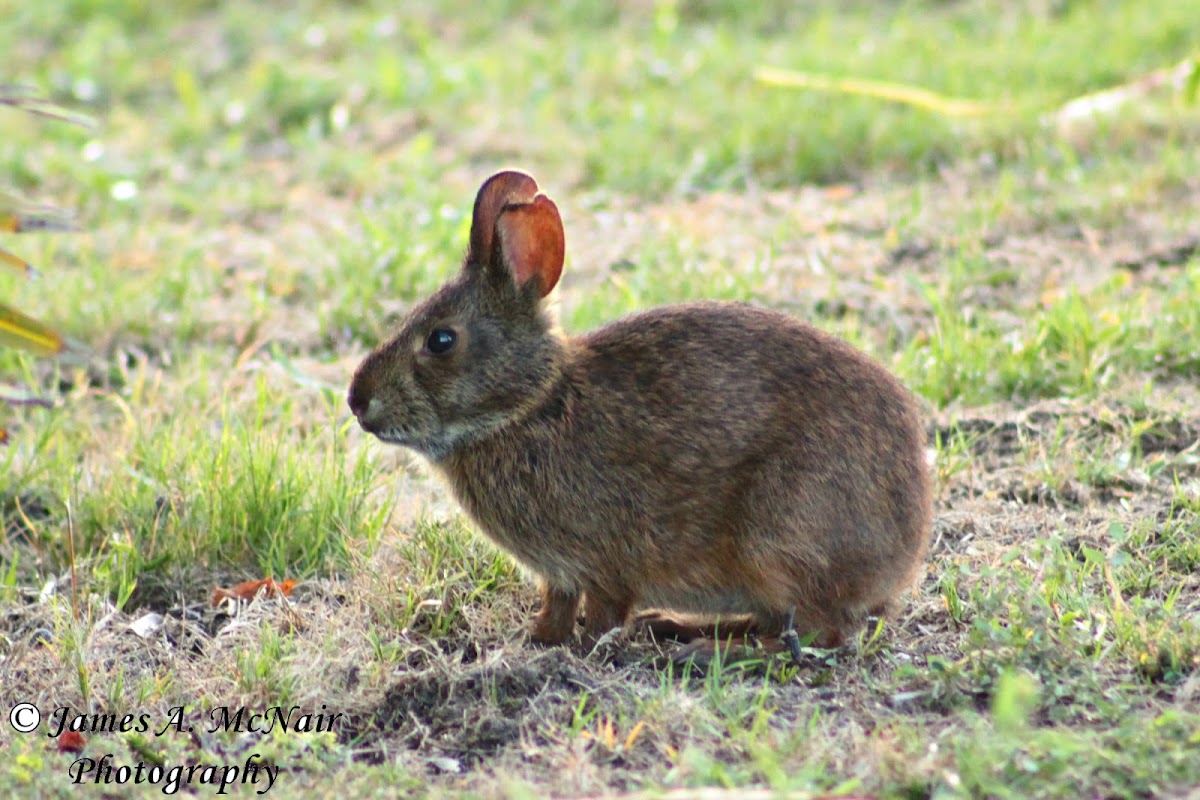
708, 458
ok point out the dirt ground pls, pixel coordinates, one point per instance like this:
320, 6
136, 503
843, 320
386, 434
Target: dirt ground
470, 706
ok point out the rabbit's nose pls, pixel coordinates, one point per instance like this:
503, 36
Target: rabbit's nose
359, 400
365, 406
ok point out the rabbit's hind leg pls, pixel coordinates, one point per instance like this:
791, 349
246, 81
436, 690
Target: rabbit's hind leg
603, 611
701, 652
666, 626
734, 639
765, 633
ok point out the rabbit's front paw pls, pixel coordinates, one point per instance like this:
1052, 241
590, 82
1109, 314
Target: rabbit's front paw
555, 622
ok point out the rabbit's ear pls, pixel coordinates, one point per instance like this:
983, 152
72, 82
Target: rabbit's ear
498, 191
531, 243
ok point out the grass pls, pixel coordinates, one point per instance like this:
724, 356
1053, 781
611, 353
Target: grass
261, 203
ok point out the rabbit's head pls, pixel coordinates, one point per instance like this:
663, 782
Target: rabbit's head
480, 352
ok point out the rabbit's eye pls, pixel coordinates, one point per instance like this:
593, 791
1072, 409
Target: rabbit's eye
441, 341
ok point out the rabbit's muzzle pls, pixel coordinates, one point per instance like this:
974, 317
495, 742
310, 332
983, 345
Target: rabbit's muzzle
367, 409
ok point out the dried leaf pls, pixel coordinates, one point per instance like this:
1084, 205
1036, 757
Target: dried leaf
71, 742
48, 590
7, 259
882, 90
26, 333
447, 765
147, 624
248, 590
839, 191
1110, 100
633, 734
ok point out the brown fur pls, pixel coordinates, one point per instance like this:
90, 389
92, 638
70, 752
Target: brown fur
707, 458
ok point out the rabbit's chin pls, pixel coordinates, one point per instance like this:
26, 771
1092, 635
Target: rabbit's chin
434, 448
439, 445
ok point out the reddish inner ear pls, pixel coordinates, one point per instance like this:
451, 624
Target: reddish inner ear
532, 243
498, 191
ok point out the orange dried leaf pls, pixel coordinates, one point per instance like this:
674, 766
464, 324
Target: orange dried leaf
16, 263
71, 742
633, 734
839, 191
248, 590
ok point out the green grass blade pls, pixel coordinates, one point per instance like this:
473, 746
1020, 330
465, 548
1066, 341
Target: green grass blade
22, 97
